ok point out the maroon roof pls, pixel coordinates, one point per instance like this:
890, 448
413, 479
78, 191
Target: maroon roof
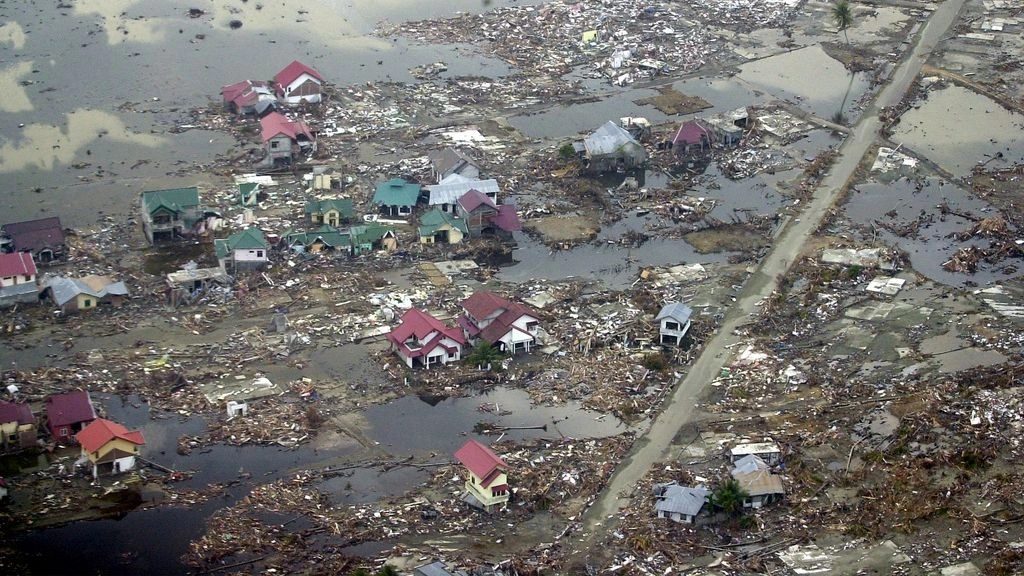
692, 132
34, 235
481, 461
70, 408
11, 412
242, 93
483, 305
276, 123
474, 199
507, 219
17, 264
418, 324
292, 71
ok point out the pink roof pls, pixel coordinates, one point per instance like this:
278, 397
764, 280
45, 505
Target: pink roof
276, 123
11, 412
100, 432
481, 461
17, 264
507, 219
418, 324
243, 93
70, 408
691, 132
474, 199
482, 304
292, 71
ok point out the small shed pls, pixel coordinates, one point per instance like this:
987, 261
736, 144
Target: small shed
769, 452
673, 323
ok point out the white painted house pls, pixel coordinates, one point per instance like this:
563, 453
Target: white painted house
510, 326
674, 322
298, 83
245, 250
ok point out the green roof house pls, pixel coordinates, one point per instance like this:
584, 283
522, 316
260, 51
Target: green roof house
323, 239
397, 197
245, 250
248, 193
332, 212
372, 237
438, 226
169, 214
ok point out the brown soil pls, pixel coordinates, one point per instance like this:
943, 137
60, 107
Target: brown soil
729, 238
671, 101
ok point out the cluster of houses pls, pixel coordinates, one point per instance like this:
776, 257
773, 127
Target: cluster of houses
70, 418
752, 470
24, 246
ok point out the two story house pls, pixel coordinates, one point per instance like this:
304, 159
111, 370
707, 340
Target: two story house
510, 326
298, 83
422, 340
169, 214
486, 478
245, 250
673, 323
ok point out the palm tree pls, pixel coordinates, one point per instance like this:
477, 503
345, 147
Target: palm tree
485, 355
729, 497
842, 15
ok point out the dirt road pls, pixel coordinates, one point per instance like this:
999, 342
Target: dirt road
652, 447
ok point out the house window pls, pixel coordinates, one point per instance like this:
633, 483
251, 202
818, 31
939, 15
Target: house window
87, 303
259, 253
532, 326
669, 325
63, 431
274, 143
28, 278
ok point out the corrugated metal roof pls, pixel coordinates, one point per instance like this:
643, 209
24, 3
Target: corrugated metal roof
64, 289
675, 310
449, 190
608, 139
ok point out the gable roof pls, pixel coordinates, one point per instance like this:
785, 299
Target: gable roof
249, 239
327, 234
748, 463
676, 311
275, 123
246, 92
64, 289
474, 199
369, 233
15, 412
69, 408
100, 431
454, 186
342, 205
436, 218
507, 219
481, 461
420, 325
397, 192
484, 304
17, 264
759, 482
173, 199
692, 132
33, 235
676, 499
291, 72
608, 139
450, 161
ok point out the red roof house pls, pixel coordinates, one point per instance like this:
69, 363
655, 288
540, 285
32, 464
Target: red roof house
422, 340
67, 414
298, 83
693, 137
109, 443
487, 484
284, 139
242, 97
43, 238
509, 325
18, 282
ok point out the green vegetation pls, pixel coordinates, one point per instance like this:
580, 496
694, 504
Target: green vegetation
729, 497
566, 152
484, 354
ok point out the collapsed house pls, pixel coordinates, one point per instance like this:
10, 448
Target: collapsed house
757, 482
17, 426
284, 140
610, 148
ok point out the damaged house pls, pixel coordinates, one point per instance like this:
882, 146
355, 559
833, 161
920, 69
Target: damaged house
693, 139
486, 479
67, 414
679, 503
285, 140
610, 148
396, 197
485, 218
323, 239
761, 486
86, 293
43, 239
447, 193
439, 227
297, 83
170, 214
510, 326
245, 98
18, 280
449, 162
17, 426
422, 340
330, 211
673, 323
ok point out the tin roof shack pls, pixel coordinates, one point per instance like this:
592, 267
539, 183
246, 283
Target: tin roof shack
297, 83
673, 323
18, 280
245, 250
439, 227
768, 452
610, 148
761, 486
679, 503
486, 481
170, 214
421, 340
17, 426
446, 194
284, 140
448, 162
109, 446
191, 283
67, 414
86, 293
330, 211
510, 326
396, 197
242, 97
42, 238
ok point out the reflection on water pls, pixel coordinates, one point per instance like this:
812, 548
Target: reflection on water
12, 32
15, 98
44, 146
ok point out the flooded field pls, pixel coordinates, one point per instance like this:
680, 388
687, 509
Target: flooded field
958, 129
